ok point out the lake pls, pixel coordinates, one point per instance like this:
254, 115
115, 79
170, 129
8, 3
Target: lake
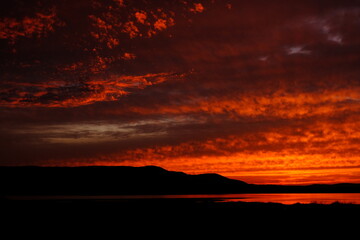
284, 198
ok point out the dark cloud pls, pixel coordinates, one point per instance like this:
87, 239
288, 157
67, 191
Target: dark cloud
77, 93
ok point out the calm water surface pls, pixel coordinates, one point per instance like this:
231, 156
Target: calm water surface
284, 198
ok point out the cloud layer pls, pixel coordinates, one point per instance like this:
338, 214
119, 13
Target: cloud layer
264, 92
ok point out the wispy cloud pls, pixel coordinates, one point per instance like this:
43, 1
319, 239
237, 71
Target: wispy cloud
297, 50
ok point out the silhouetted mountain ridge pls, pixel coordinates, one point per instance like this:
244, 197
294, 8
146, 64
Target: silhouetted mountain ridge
99, 180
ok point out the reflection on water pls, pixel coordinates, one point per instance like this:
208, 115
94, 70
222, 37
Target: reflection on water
284, 198
292, 198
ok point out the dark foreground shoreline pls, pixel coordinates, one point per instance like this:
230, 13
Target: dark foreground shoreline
172, 208
179, 218
175, 204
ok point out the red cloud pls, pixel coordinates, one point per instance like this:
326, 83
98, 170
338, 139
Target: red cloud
61, 94
39, 25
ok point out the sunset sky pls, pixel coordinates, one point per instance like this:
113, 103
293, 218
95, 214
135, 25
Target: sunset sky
267, 92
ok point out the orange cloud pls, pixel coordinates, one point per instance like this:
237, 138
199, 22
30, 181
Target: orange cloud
131, 29
141, 17
274, 105
321, 139
137, 23
197, 8
160, 24
128, 56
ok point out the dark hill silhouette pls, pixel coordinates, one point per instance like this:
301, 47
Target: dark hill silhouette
134, 180
110, 180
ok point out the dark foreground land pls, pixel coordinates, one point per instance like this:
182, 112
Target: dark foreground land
143, 216
181, 216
